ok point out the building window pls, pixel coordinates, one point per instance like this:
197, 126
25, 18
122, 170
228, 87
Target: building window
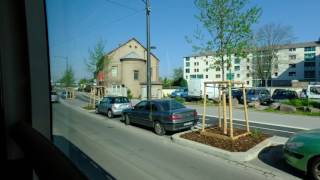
193, 76
237, 68
187, 58
187, 70
130, 46
186, 77
200, 76
238, 75
292, 65
292, 73
114, 71
276, 66
230, 76
309, 74
136, 75
248, 75
248, 67
248, 82
194, 70
195, 63
292, 57
218, 69
207, 62
206, 76
218, 75
187, 64
309, 64
276, 74
292, 49
309, 56
307, 49
207, 69
248, 60
237, 61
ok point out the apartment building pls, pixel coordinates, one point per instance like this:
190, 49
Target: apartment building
299, 61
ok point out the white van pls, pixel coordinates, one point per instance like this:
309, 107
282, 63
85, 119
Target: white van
313, 92
196, 90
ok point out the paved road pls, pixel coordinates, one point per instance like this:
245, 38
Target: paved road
297, 121
129, 152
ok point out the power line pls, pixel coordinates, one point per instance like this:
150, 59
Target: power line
121, 5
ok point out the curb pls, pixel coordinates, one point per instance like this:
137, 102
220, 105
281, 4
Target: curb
233, 156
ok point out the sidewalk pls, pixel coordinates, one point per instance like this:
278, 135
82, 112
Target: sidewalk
298, 121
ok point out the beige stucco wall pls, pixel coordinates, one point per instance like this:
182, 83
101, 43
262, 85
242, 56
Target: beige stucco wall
125, 69
128, 68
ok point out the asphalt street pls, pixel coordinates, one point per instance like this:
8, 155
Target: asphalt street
133, 152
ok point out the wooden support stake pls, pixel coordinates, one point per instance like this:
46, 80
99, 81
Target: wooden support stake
245, 108
219, 108
230, 110
224, 113
204, 108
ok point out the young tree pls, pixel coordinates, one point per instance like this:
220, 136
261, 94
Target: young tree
68, 79
267, 42
228, 24
178, 79
167, 83
97, 61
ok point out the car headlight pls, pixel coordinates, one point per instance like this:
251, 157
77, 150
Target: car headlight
294, 145
254, 98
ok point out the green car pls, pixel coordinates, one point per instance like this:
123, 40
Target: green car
302, 151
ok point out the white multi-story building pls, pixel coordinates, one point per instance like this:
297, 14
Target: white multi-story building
300, 61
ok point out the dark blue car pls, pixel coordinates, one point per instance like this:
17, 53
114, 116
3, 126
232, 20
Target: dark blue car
183, 93
162, 115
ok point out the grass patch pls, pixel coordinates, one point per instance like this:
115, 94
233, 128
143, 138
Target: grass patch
89, 107
298, 112
302, 102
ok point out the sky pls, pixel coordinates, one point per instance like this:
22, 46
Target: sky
76, 26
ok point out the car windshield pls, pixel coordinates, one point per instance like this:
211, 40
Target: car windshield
315, 90
252, 92
171, 105
119, 100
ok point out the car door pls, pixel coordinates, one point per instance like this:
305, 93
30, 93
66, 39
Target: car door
152, 114
136, 114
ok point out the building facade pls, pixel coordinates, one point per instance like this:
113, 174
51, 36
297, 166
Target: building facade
300, 61
125, 66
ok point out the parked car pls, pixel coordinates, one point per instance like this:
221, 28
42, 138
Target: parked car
261, 95
182, 92
302, 151
236, 94
311, 92
283, 94
54, 97
113, 105
162, 115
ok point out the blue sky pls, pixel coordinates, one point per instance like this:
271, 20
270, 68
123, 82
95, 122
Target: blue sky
76, 26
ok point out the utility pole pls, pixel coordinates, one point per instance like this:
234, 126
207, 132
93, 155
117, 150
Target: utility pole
147, 2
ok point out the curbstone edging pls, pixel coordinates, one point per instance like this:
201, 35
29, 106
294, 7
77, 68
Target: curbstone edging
233, 156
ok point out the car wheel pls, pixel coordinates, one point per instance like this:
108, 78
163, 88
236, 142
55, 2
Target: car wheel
159, 129
110, 114
126, 119
314, 168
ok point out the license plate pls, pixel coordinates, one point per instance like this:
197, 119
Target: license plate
187, 124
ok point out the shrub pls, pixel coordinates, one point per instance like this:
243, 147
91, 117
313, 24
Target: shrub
129, 94
256, 134
180, 100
